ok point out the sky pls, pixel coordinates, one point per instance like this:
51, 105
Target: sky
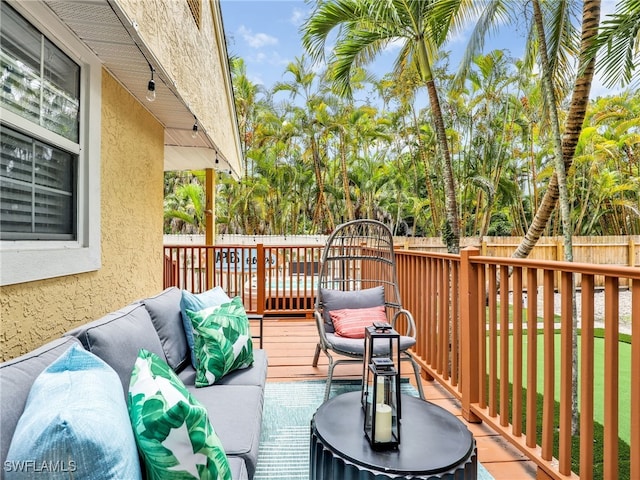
265, 33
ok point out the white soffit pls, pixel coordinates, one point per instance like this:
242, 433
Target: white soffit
114, 40
196, 157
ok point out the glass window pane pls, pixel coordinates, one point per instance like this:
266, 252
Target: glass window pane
37, 189
53, 212
15, 209
60, 104
16, 162
20, 64
20, 39
53, 168
51, 99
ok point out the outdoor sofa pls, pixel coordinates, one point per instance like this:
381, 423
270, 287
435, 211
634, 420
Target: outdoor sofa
234, 402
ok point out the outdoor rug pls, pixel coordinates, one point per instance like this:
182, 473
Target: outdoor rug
288, 408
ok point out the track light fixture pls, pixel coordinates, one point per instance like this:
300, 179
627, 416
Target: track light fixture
194, 130
151, 87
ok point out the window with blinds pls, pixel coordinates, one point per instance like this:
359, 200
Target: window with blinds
39, 162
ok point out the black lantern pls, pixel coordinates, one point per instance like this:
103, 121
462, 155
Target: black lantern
381, 387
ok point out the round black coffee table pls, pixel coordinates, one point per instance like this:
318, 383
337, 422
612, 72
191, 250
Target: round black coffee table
434, 444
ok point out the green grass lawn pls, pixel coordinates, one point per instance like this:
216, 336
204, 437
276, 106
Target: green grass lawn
624, 395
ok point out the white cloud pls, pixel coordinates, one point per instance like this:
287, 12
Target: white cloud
318, 67
598, 89
256, 40
270, 58
298, 16
607, 7
257, 79
395, 45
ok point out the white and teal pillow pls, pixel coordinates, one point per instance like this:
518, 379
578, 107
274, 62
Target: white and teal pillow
222, 341
172, 429
196, 302
75, 424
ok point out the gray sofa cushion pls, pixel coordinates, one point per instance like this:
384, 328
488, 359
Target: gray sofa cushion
164, 310
238, 468
16, 378
236, 415
117, 337
339, 299
254, 375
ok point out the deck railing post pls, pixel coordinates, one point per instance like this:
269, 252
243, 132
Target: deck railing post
469, 334
261, 275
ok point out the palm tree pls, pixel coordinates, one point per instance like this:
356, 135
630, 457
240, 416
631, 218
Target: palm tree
419, 136
483, 119
302, 86
184, 209
573, 124
366, 27
607, 170
551, 38
245, 95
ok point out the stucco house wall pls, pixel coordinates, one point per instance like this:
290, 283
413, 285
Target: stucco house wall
138, 141
131, 213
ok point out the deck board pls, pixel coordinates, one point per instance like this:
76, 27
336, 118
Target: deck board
290, 344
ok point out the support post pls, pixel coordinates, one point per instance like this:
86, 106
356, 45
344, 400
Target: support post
631, 257
469, 334
261, 275
210, 221
210, 206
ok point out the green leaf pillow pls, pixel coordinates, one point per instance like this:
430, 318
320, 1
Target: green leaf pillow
171, 428
222, 341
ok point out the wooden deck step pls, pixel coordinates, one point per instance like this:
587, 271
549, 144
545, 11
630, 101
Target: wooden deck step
290, 343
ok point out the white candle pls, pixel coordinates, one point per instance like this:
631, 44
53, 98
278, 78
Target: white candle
383, 423
380, 390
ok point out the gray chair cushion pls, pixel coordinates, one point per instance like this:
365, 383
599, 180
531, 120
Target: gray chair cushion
355, 346
338, 299
16, 378
254, 375
117, 337
164, 310
235, 413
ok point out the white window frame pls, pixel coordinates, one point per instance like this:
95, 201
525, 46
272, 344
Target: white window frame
26, 261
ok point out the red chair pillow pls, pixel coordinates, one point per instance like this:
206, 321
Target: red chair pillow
351, 322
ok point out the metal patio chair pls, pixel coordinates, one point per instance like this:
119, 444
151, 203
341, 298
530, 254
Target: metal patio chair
358, 270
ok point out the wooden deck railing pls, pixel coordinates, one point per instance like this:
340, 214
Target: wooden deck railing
483, 318
269, 279
488, 331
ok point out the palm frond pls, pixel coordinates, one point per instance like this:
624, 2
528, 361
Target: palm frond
494, 14
617, 45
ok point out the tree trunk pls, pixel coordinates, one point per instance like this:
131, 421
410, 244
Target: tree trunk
435, 210
322, 213
573, 128
552, 108
451, 232
345, 178
591, 15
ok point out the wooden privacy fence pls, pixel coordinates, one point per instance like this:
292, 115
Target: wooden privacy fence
622, 250
495, 331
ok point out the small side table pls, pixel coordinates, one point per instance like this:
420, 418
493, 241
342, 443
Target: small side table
434, 444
